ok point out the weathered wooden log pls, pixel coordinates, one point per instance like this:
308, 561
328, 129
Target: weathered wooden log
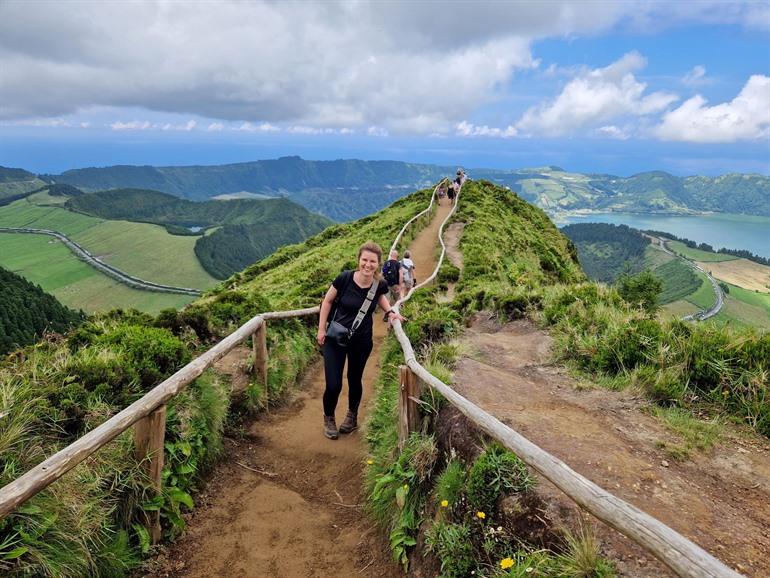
149, 434
678, 553
408, 408
21, 489
259, 344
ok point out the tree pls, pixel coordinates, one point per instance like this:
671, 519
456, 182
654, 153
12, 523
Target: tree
641, 290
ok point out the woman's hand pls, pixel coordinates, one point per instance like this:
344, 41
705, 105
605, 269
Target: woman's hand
393, 315
321, 337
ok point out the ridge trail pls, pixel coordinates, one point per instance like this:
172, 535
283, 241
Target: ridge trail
286, 501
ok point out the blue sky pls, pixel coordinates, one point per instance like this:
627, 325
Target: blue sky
614, 87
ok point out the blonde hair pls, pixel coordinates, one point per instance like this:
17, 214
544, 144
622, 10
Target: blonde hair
372, 247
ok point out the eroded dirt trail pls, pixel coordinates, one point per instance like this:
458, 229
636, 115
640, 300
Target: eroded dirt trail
286, 501
720, 499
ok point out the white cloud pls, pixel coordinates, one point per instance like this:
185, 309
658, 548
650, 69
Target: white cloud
215, 127
612, 131
262, 127
376, 131
133, 125
595, 97
413, 67
696, 76
745, 117
467, 129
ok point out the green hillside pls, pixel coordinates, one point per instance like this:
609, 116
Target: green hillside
607, 251
341, 190
348, 189
516, 264
246, 229
49, 264
26, 312
15, 184
653, 192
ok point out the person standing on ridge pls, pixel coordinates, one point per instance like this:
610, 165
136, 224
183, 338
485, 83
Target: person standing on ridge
393, 275
354, 296
407, 268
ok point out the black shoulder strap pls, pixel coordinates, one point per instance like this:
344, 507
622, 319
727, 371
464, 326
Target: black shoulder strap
345, 284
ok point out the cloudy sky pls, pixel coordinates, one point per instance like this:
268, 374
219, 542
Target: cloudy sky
602, 86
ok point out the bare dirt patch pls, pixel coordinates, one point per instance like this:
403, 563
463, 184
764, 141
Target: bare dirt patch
741, 272
719, 499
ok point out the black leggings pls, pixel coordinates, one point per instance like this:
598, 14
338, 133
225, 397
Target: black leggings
334, 360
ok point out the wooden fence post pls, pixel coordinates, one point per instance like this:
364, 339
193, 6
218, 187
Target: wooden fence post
408, 410
149, 434
259, 342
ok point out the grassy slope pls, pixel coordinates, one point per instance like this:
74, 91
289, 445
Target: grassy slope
120, 243
697, 254
51, 265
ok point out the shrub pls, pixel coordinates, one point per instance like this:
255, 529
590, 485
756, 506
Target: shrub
641, 290
495, 471
453, 546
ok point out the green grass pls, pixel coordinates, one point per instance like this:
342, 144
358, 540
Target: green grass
145, 251
697, 254
679, 281
696, 434
48, 263
704, 296
742, 314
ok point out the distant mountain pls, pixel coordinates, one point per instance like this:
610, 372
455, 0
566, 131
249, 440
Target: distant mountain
341, 189
653, 192
348, 189
15, 184
26, 312
246, 229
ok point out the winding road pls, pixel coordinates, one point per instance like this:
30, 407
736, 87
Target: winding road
717, 306
108, 270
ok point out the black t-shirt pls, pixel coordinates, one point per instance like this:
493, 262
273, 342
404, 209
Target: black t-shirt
351, 300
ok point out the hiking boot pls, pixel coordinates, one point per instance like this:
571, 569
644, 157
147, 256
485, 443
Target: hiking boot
350, 424
330, 427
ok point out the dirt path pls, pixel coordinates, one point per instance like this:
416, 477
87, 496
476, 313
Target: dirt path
720, 499
286, 501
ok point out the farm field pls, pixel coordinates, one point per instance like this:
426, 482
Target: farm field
697, 254
741, 272
741, 310
143, 250
48, 263
704, 296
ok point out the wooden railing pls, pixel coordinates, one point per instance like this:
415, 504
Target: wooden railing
148, 416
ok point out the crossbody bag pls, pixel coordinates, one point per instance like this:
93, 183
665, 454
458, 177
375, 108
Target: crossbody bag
336, 331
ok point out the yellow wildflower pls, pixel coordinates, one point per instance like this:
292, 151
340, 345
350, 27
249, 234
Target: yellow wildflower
370, 462
406, 487
506, 563
481, 515
444, 503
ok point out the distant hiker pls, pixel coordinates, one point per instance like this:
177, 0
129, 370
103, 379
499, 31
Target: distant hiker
440, 192
407, 268
354, 295
393, 275
451, 193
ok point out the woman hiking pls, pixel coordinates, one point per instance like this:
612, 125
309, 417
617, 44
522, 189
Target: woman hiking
354, 295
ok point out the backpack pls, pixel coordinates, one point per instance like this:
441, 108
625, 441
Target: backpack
407, 273
390, 272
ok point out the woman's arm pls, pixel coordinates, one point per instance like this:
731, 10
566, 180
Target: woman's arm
385, 304
323, 315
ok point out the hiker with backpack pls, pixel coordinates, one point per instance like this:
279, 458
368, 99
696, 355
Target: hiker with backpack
393, 275
407, 269
348, 307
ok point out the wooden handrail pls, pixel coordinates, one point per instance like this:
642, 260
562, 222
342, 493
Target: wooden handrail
41, 476
683, 556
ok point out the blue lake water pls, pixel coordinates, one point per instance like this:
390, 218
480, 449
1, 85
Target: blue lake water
721, 230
